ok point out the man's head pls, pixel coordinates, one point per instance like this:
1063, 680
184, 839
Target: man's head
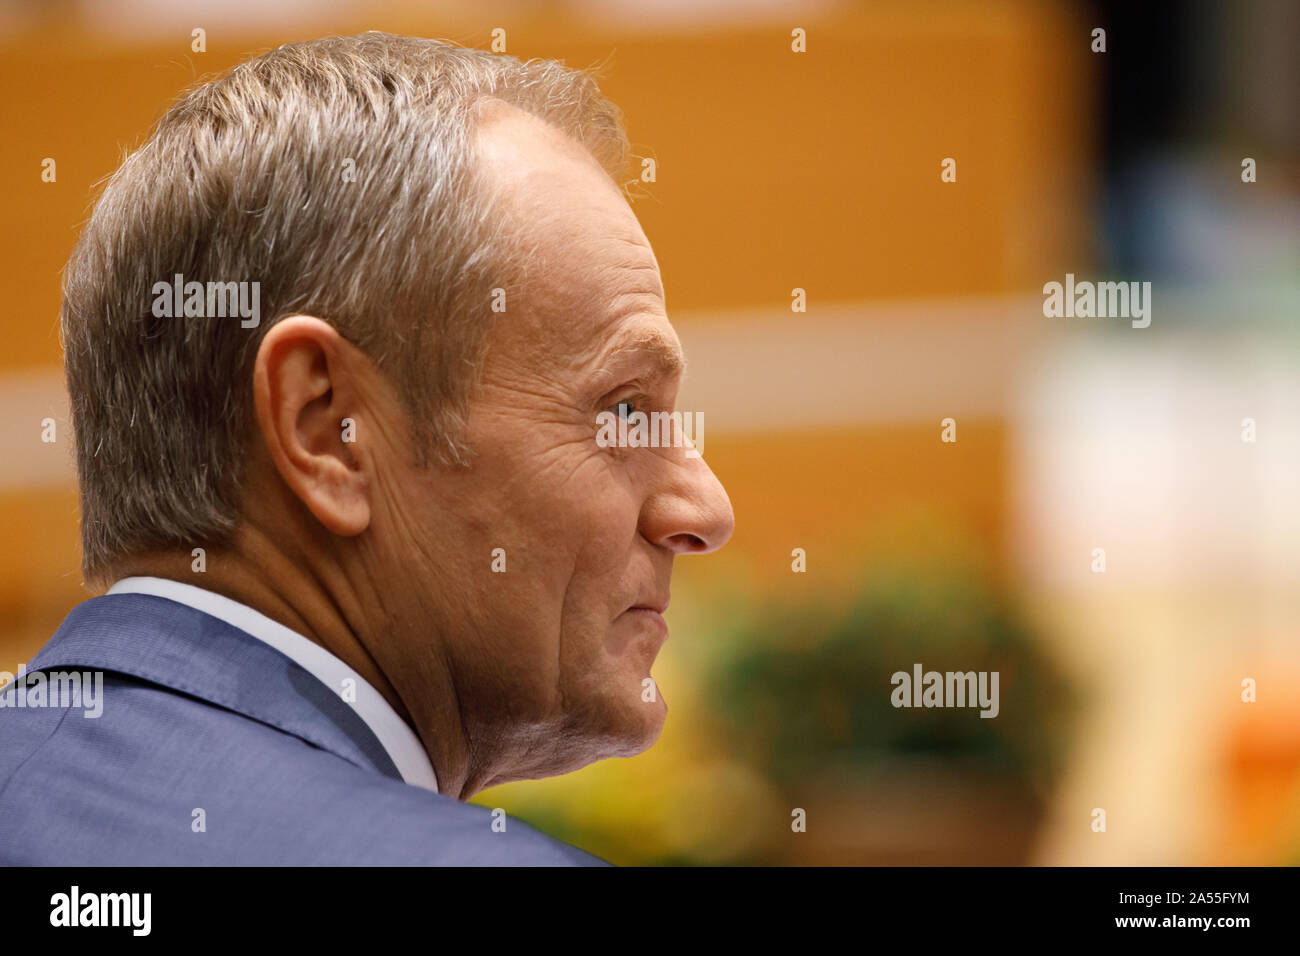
452, 289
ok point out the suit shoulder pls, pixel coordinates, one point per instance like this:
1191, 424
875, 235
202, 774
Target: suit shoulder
418, 827
171, 780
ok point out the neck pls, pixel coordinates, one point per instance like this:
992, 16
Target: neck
309, 591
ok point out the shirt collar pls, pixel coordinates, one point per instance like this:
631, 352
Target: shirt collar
394, 734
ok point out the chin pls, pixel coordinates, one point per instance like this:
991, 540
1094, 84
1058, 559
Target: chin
622, 730
640, 727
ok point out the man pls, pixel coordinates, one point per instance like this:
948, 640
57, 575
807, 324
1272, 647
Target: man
339, 339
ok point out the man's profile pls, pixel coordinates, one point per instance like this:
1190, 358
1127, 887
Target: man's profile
337, 337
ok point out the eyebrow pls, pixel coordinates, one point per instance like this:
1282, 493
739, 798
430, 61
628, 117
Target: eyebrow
663, 350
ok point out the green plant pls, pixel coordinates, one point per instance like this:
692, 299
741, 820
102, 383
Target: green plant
807, 689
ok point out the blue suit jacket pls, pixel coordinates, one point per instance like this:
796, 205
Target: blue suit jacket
199, 715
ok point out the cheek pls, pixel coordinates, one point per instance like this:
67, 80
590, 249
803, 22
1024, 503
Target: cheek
545, 550
585, 536
601, 531
584, 511
564, 514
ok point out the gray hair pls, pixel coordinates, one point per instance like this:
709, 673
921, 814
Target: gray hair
243, 179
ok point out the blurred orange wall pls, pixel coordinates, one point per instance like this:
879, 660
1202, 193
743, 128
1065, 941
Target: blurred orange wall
775, 171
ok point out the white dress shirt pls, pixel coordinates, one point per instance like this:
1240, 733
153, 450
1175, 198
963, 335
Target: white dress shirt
396, 736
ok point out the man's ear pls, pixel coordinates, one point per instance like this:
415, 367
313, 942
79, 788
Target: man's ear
305, 392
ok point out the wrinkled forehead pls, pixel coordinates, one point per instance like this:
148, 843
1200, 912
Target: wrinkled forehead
588, 272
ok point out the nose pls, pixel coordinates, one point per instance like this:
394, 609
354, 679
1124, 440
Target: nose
689, 512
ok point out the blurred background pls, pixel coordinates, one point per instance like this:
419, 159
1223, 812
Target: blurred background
1121, 689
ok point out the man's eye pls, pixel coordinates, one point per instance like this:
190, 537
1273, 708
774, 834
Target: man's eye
624, 409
